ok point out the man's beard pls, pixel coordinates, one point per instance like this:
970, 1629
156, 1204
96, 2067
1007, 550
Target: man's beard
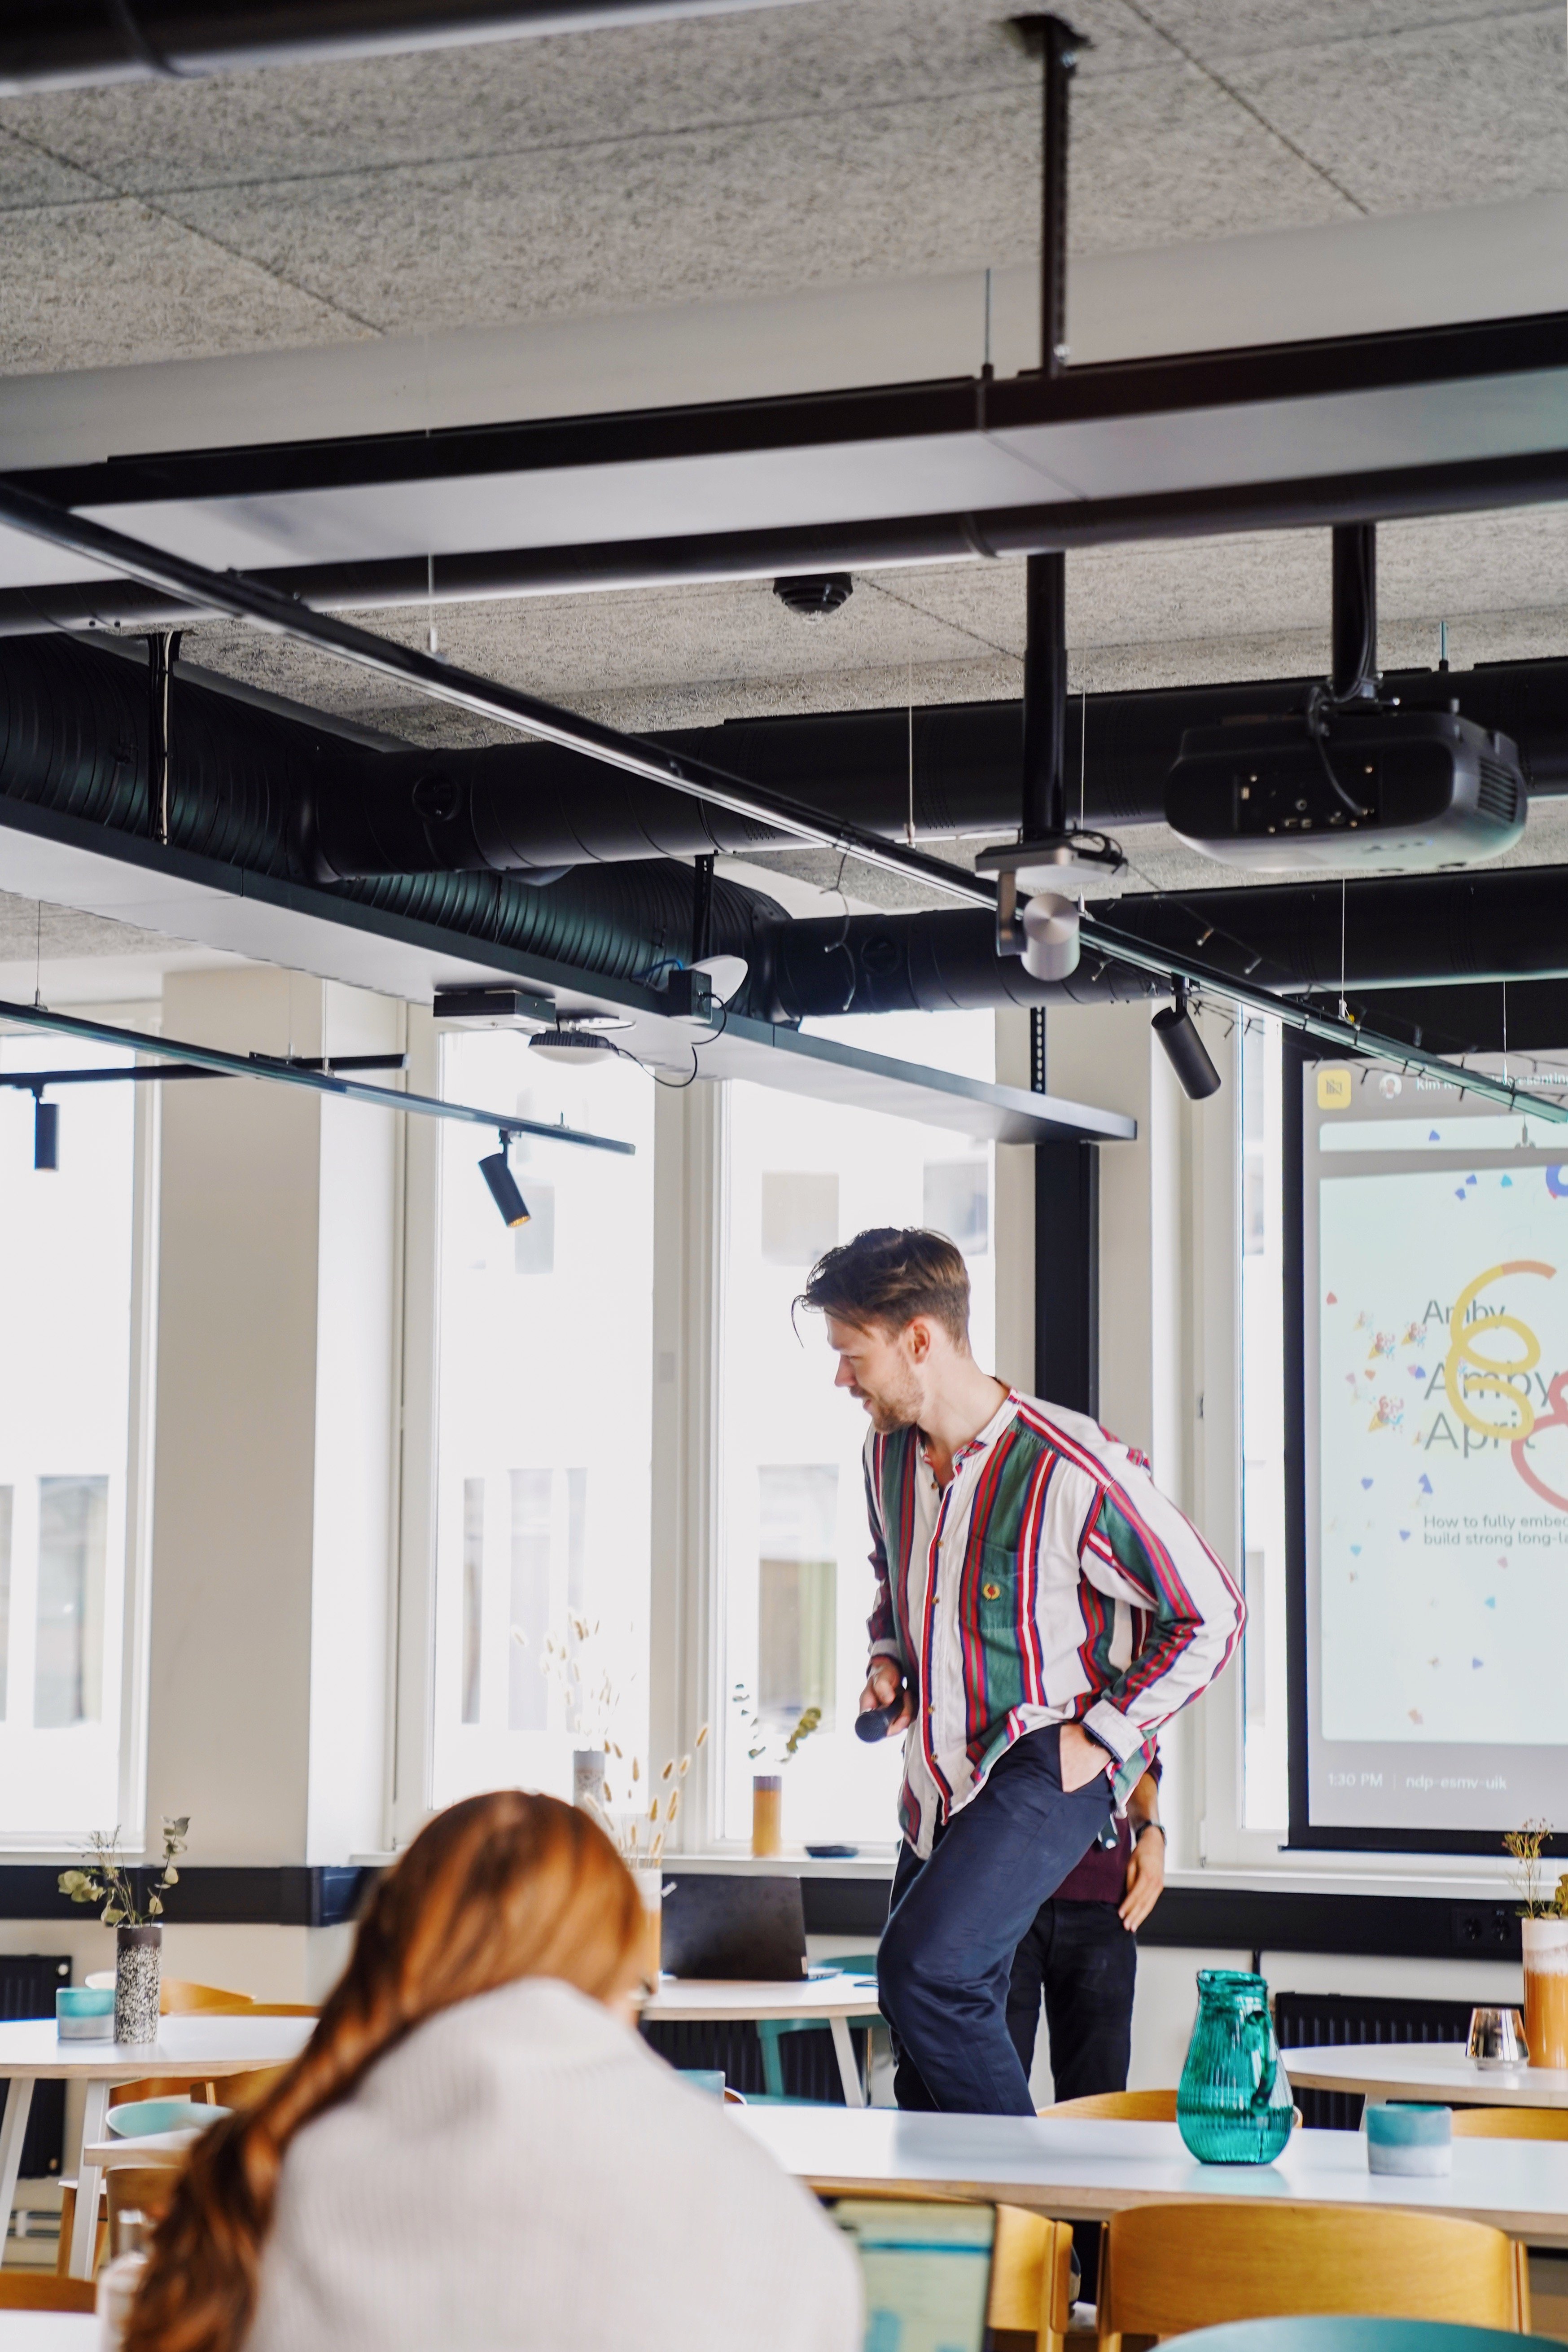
899, 1409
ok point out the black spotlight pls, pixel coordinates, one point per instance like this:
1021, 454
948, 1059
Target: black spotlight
815, 593
503, 1190
1185, 1049
46, 1133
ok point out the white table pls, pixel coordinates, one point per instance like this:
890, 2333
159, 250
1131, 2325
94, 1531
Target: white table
49, 2331
1426, 2070
816, 2001
1080, 2170
189, 2048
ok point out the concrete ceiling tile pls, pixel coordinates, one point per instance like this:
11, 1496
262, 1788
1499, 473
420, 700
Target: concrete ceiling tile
98, 285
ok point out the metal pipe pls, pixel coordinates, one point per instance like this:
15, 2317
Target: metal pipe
77, 44
162, 650
1062, 45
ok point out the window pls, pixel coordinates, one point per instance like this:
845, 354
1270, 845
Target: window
1265, 1754
67, 1275
795, 1585
544, 1406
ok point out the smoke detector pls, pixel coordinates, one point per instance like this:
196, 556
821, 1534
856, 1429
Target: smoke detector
816, 593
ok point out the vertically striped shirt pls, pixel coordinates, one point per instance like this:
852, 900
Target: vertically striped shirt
1049, 1581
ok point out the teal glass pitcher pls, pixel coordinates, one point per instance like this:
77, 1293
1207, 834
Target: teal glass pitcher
1234, 2104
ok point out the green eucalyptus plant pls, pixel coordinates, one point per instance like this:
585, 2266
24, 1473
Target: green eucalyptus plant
104, 1878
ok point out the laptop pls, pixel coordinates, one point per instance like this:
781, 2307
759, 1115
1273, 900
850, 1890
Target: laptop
926, 2269
748, 1928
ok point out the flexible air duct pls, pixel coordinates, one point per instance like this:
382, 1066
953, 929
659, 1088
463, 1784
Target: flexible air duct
1426, 931
74, 738
957, 770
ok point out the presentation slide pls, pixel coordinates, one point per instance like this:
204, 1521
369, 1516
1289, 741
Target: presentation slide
1434, 1257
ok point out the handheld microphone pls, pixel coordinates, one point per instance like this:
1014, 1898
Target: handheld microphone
877, 1721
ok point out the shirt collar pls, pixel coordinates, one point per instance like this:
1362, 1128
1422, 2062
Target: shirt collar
982, 1438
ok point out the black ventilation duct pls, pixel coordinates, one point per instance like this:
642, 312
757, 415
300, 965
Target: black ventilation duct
74, 738
526, 808
1426, 931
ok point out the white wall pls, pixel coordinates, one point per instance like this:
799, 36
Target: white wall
274, 1464
1015, 1219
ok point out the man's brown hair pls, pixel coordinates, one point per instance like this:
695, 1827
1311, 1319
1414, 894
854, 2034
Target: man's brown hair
889, 1275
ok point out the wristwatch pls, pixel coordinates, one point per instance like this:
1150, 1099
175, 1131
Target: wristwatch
1144, 1831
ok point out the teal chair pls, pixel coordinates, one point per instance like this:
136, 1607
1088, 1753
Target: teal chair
771, 2031
1347, 2335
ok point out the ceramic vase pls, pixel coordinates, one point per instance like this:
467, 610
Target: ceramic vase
138, 1964
1546, 1990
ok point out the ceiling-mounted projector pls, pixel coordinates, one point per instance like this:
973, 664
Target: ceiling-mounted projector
1364, 786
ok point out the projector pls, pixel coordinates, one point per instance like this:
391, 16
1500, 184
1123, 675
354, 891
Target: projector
1370, 787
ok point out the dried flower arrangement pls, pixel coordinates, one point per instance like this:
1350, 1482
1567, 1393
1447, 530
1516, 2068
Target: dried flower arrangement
105, 1879
1524, 1846
593, 1703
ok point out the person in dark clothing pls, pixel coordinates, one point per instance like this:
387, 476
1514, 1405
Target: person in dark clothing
1082, 1954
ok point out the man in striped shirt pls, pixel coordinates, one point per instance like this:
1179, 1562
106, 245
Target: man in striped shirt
1041, 1610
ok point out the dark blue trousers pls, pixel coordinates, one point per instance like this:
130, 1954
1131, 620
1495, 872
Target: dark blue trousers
956, 1920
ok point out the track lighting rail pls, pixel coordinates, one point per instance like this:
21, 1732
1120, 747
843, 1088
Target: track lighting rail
140, 1072
211, 1061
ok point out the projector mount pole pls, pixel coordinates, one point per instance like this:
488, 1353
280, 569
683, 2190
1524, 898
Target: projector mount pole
1050, 858
1355, 591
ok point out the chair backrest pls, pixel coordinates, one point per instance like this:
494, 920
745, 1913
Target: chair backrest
1120, 2106
145, 2189
1165, 2269
1510, 2123
162, 2087
1031, 2263
281, 2008
178, 1997
45, 2291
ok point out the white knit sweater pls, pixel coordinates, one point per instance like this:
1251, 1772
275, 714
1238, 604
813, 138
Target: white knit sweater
523, 2175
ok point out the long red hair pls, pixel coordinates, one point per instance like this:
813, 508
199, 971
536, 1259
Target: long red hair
496, 1887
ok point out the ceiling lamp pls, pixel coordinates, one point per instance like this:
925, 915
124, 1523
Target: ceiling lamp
577, 1037
1185, 1049
496, 1171
46, 1133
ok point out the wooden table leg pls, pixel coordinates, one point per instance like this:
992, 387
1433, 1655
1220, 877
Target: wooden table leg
850, 2073
13, 2132
84, 2230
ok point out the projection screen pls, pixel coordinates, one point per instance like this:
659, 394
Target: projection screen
1430, 1502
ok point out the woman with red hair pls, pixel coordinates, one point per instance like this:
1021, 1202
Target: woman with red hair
475, 2150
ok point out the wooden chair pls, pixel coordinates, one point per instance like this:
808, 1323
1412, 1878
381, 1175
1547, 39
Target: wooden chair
1031, 2260
178, 1997
43, 2291
1119, 2106
151, 2086
145, 2189
1167, 2268
1510, 2123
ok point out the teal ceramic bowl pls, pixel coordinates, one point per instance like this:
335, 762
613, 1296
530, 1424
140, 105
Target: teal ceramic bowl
138, 2117
84, 2013
1413, 2140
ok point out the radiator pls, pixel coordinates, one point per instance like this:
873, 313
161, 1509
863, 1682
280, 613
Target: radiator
1324, 2020
28, 1983
807, 2060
